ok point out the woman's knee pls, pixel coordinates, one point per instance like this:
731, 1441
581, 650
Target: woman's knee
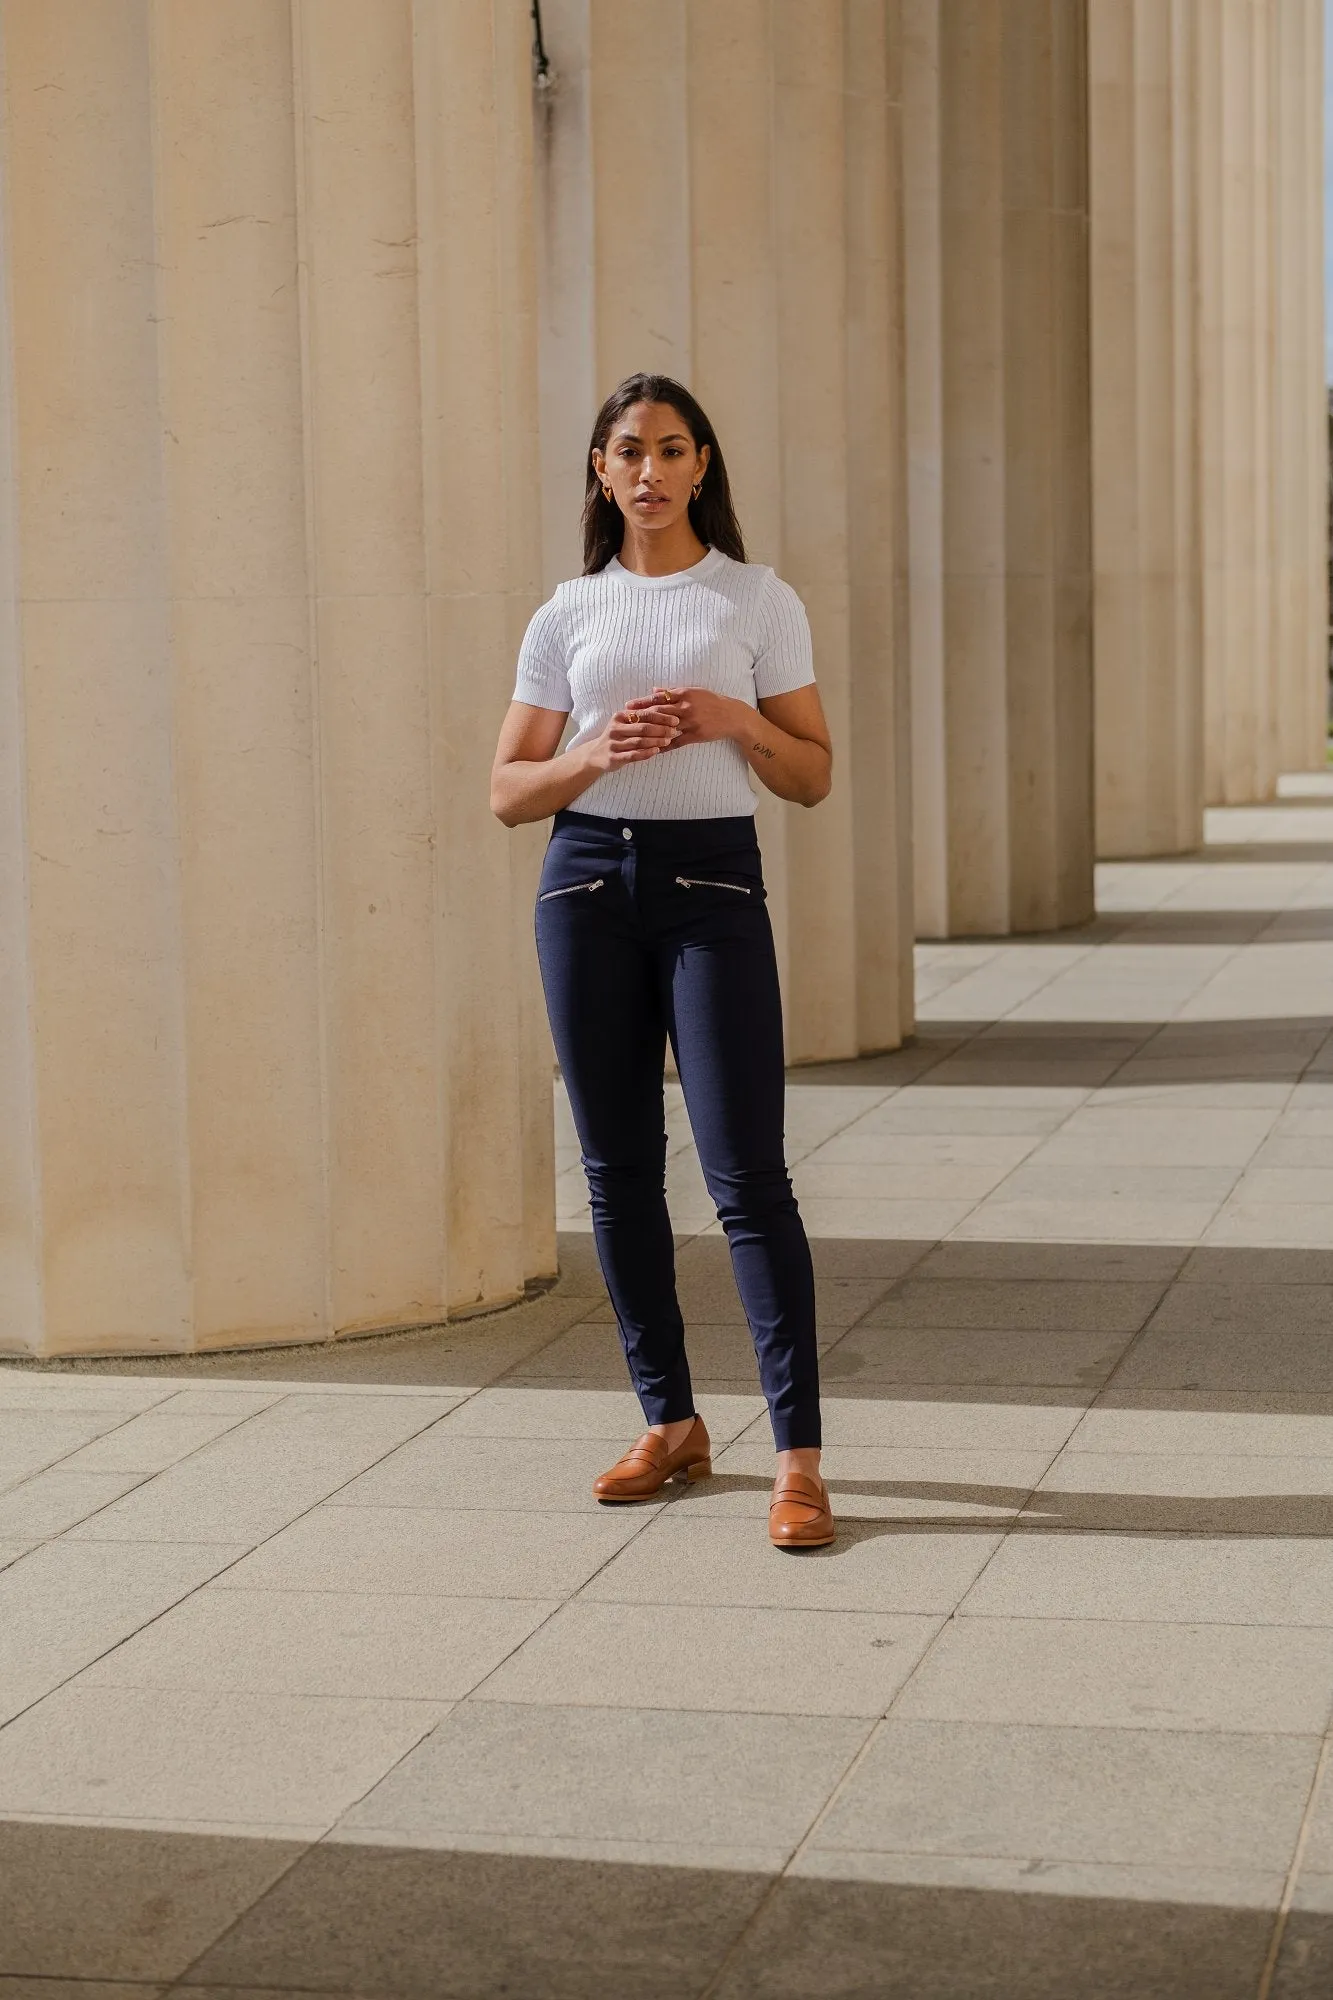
754, 1195
622, 1191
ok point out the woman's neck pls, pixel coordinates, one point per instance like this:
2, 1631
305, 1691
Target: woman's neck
662, 551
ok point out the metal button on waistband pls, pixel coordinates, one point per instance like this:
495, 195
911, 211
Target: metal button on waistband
628, 835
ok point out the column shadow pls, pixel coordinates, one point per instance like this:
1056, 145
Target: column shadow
236, 1917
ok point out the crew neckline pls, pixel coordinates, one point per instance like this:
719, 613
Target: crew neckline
704, 567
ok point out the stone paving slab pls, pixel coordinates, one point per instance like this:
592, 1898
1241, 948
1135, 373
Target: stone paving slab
1204, 1493
1068, 1304
1093, 1674
157, 1439
952, 1416
83, 1902
514, 1769
1193, 1798
186, 1756
893, 1927
334, 1643
448, 1469
1183, 1423
1304, 1969
720, 1657
1226, 1580
266, 1472
69, 1989
65, 1604
987, 1356
438, 1552
687, 1558
365, 1919
56, 1499
51, 1391
880, 1485
1152, 1266
32, 1438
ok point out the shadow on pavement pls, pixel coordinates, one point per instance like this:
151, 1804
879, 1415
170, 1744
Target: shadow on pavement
1088, 1055
233, 1916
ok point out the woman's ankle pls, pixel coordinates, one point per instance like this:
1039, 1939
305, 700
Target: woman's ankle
804, 1459
673, 1435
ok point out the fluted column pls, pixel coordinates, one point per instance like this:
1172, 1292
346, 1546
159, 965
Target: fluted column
995, 113
1316, 390
1147, 591
764, 273
271, 1063
1236, 405
880, 707
1299, 662
96, 1226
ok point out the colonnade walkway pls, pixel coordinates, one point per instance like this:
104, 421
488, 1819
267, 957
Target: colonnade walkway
320, 1672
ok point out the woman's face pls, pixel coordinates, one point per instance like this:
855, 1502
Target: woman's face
651, 465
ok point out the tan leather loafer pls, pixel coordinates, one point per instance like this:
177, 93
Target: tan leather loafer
647, 1466
800, 1515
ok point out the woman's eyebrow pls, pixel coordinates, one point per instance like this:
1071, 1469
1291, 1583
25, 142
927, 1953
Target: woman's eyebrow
632, 437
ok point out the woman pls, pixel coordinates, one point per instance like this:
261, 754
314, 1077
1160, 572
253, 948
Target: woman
684, 668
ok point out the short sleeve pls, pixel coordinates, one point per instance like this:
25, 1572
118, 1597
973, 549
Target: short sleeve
543, 678
784, 659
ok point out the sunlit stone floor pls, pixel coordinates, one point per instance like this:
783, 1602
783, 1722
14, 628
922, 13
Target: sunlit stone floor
321, 1673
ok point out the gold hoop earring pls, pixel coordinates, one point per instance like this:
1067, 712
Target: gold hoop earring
606, 493
698, 489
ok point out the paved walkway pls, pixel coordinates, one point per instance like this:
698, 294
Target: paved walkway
320, 1673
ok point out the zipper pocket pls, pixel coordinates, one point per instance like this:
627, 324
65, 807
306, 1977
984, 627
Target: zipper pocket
574, 889
694, 882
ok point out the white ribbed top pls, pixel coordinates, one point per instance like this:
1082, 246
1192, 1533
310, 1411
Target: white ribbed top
605, 639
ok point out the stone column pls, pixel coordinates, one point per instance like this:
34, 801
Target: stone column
94, 1141
880, 708
1299, 662
1236, 401
1316, 522
1147, 602
482, 527
995, 119
269, 1071
765, 274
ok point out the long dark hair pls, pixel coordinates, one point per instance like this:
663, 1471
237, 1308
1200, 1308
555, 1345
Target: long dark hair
712, 515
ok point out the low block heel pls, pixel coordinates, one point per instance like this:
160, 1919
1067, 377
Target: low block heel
647, 1466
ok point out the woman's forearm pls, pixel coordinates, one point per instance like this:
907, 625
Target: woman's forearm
524, 791
791, 766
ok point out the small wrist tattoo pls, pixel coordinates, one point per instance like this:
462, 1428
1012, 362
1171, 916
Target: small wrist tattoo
762, 750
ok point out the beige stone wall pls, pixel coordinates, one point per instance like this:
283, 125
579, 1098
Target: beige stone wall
759, 262
272, 1065
995, 121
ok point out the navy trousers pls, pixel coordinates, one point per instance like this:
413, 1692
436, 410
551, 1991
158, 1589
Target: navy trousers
653, 930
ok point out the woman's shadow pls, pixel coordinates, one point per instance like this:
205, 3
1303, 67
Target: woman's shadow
865, 1509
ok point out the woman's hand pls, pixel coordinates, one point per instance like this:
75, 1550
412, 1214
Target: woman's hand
530, 780
639, 730
701, 716
786, 744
